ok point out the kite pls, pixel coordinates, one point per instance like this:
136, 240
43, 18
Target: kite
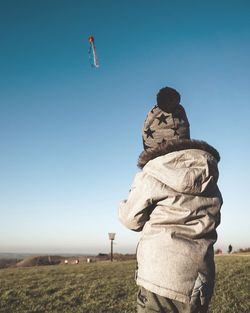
92, 52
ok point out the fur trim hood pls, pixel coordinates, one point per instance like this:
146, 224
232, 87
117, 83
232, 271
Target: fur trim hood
176, 145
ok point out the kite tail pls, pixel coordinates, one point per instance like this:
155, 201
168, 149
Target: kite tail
92, 53
96, 64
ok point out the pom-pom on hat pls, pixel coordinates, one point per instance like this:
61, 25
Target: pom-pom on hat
166, 121
168, 99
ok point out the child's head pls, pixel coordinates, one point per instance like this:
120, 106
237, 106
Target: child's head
166, 121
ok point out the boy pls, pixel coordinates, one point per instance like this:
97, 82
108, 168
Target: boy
175, 202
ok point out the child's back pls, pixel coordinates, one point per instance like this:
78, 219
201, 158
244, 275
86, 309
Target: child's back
175, 200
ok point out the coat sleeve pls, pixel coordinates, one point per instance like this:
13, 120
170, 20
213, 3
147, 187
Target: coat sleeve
144, 193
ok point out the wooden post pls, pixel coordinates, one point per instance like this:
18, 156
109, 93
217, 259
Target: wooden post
111, 254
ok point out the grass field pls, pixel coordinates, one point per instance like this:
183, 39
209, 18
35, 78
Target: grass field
107, 287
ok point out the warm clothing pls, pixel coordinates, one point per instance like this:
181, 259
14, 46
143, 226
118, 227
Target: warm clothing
161, 126
176, 202
149, 302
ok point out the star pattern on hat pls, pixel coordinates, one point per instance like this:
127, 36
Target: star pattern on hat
177, 115
175, 131
162, 142
162, 119
180, 115
152, 111
149, 132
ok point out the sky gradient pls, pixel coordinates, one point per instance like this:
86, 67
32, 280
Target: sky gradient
70, 134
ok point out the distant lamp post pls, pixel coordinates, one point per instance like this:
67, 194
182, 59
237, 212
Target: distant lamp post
111, 238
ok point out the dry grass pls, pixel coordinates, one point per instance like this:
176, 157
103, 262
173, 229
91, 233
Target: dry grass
107, 287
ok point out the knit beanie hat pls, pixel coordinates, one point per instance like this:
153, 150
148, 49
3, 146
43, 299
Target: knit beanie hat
166, 121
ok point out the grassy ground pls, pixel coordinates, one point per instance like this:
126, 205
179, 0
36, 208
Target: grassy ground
232, 285
107, 287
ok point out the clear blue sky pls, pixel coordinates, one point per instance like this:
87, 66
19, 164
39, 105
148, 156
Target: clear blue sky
70, 135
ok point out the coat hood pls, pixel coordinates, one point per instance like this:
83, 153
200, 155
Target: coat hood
191, 171
176, 145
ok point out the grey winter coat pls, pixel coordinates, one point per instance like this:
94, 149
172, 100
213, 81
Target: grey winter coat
176, 202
